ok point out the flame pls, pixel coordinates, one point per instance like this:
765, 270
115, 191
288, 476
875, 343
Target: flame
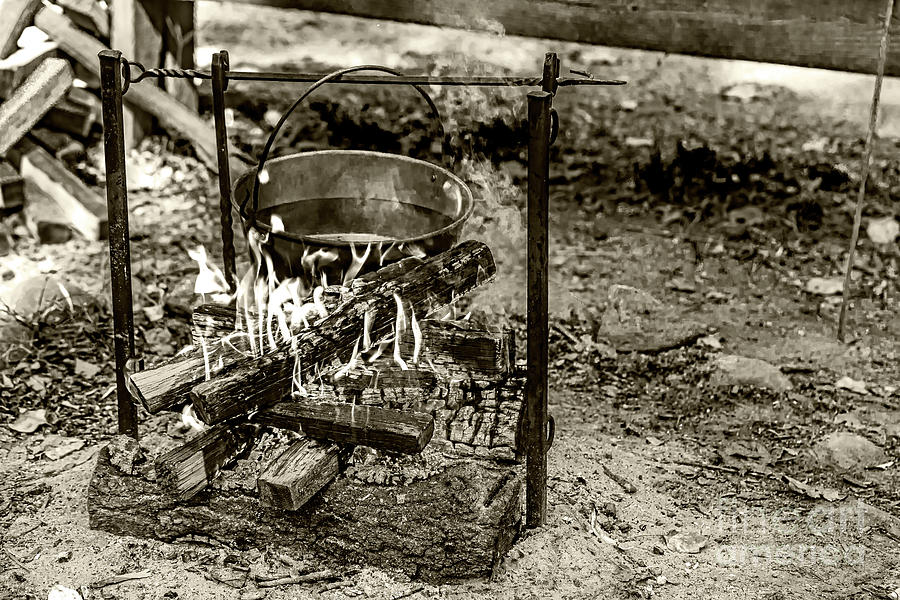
354, 358
210, 279
399, 326
189, 419
356, 263
417, 336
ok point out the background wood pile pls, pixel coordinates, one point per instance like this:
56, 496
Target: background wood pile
50, 110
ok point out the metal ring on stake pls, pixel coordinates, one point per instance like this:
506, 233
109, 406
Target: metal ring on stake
251, 216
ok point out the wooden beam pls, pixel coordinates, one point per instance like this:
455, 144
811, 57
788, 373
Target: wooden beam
76, 114
44, 218
16, 16
88, 14
134, 33
173, 116
295, 476
186, 470
179, 43
830, 34
12, 189
38, 93
380, 428
83, 208
21, 63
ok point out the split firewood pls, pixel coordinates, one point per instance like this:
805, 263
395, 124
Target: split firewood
450, 348
87, 14
243, 384
76, 114
380, 428
186, 470
38, 93
22, 63
44, 218
297, 474
173, 116
17, 15
12, 189
83, 208
58, 144
252, 382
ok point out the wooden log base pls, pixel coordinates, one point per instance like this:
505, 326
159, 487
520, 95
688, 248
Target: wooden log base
456, 524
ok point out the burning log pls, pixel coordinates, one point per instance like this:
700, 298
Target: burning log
245, 384
38, 93
379, 428
256, 382
298, 473
186, 470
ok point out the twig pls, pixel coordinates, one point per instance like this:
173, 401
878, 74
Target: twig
411, 592
308, 578
566, 333
119, 579
626, 485
732, 470
867, 158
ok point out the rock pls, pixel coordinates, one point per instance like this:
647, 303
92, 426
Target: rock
884, 230
825, 286
42, 294
741, 370
849, 451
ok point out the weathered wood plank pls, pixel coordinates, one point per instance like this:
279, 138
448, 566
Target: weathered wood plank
88, 14
21, 63
76, 114
83, 208
830, 34
380, 428
38, 93
44, 217
15, 15
297, 474
186, 470
173, 116
139, 39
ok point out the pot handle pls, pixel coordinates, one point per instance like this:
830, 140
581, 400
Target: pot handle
439, 126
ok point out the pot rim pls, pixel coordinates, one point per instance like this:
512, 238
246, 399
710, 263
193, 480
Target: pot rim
468, 199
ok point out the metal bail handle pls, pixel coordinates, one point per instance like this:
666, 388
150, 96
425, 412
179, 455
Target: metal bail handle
439, 126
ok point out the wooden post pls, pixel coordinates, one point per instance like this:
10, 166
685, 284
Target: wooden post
536, 413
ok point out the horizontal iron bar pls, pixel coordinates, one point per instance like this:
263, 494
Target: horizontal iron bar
375, 79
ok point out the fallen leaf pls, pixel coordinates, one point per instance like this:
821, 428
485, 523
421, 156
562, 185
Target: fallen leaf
810, 491
85, 368
654, 441
816, 145
61, 592
56, 447
628, 105
884, 230
824, 286
853, 385
686, 543
29, 421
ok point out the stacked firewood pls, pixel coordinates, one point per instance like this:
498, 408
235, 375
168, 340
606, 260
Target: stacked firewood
461, 396
50, 109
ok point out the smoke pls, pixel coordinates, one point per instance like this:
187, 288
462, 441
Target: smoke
499, 222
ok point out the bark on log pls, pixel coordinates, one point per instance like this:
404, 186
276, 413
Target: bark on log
186, 470
250, 383
380, 428
38, 93
455, 525
297, 474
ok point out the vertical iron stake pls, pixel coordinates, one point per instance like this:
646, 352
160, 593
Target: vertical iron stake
119, 243
538, 325
219, 85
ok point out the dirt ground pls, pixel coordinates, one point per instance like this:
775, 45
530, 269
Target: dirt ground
695, 233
